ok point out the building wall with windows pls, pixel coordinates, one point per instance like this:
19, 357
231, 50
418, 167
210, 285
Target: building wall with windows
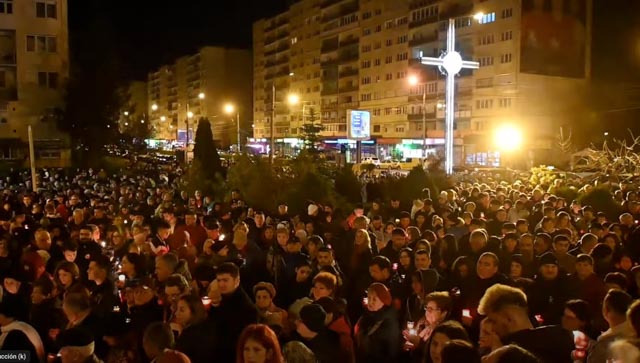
222, 75
34, 65
533, 68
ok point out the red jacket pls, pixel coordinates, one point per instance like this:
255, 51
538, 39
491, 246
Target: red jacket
343, 329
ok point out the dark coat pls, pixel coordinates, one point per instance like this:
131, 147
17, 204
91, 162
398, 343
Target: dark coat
551, 344
378, 337
547, 298
103, 298
16, 340
199, 342
236, 311
326, 347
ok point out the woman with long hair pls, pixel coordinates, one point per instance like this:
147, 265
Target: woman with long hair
196, 337
258, 344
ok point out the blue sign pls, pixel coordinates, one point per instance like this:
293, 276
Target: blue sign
359, 124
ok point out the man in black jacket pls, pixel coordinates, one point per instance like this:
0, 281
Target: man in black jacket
507, 309
103, 295
236, 311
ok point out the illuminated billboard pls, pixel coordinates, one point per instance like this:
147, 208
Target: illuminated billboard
359, 124
554, 37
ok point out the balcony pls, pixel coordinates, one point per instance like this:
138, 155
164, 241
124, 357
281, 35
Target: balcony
275, 24
350, 88
349, 41
281, 48
418, 116
344, 10
329, 91
457, 11
329, 45
425, 21
415, 4
423, 39
277, 62
346, 57
349, 72
326, 3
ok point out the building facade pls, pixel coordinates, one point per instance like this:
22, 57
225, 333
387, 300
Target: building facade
198, 86
534, 69
34, 66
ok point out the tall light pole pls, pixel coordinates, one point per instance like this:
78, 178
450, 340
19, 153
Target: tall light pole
229, 109
190, 115
413, 80
273, 121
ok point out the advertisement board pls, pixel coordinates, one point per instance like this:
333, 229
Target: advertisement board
359, 124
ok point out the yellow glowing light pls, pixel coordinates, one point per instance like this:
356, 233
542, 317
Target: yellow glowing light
201, 96
229, 108
478, 16
293, 99
189, 114
154, 107
413, 80
508, 138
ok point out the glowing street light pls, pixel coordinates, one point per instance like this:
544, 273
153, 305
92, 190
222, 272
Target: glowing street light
141, 121
230, 109
154, 107
201, 96
126, 113
190, 114
293, 99
162, 118
478, 16
413, 80
508, 138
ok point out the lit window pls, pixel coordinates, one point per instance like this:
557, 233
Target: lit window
488, 18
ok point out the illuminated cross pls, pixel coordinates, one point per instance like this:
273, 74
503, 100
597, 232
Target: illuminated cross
450, 64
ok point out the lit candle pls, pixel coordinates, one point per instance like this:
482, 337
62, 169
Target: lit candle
206, 301
103, 244
411, 328
121, 278
466, 313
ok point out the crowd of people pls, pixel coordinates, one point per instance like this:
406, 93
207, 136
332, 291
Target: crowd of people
131, 268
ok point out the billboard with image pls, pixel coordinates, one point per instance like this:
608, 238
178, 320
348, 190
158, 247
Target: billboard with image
554, 37
359, 124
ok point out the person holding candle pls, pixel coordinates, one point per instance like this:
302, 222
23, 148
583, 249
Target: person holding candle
268, 313
437, 309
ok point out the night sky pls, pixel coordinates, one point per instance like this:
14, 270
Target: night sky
150, 33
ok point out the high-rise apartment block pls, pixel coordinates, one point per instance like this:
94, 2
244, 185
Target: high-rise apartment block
34, 66
199, 86
339, 55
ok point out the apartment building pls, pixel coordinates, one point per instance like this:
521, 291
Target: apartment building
199, 85
34, 65
534, 69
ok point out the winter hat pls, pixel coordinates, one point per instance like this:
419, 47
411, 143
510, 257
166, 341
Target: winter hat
381, 292
265, 286
312, 209
548, 259
313, 316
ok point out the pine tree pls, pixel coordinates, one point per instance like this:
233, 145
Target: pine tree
205, 152
311, 132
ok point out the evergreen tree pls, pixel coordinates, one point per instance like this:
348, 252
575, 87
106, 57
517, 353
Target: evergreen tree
311, 132
205, 152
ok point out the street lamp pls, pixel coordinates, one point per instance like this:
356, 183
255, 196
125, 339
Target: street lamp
190, 114
163, 119
229, 109
508, 138
413, 81
154, 107
126, 113
201, 96
293, 99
